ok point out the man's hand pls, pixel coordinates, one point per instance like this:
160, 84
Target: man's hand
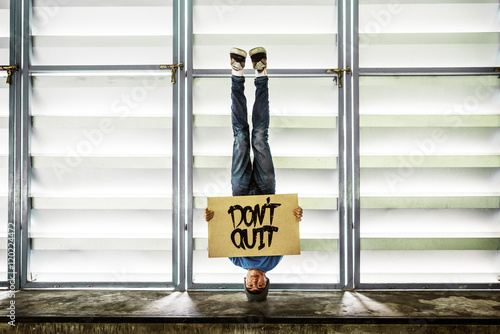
209, 214
298, 213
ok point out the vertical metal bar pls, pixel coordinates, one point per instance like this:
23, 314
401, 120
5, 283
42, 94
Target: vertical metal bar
341, 135
348, 150
189, 140
175, 156
24, 132
14, 227
355, 143
177, 168
183, 160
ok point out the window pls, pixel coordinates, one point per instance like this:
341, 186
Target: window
386, 126
428, 144
101, 145
303, 131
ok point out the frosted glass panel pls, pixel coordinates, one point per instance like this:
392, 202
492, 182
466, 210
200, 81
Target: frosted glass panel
4, 33
392, 34
102, 197
100, 266
451, 97
303, 140
299, 35
451, 266
132, 32
430, 179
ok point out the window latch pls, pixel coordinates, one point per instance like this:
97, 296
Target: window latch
173, 68
340, 73
10, 70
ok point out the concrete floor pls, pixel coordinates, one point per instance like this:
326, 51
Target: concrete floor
105, 311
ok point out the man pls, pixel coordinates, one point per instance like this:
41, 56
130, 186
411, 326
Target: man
246, 179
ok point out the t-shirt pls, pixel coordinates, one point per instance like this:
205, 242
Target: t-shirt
264, 263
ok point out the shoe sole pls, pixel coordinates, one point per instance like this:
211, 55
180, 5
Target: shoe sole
256, 50
239, 52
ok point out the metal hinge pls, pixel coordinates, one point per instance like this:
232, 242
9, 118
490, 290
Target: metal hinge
340, 73
9, 70
173, 68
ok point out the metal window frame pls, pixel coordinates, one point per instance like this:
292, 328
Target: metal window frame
23, 136
359, 72
24, 133
275, 73
13, 261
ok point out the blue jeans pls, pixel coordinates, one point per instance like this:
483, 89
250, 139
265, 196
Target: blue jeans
246, 179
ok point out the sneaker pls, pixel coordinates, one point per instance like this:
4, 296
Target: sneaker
238, 58
259, 58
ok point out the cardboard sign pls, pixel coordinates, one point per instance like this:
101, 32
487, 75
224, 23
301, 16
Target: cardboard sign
253, 226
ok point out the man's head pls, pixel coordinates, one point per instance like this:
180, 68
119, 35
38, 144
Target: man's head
256, 285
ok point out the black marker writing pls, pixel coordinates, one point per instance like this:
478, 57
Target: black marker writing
240, 237
243, 241
257, 213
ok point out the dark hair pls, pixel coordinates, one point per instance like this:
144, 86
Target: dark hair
257, 296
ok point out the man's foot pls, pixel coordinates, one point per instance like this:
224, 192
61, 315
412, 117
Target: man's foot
259, 60
238, 58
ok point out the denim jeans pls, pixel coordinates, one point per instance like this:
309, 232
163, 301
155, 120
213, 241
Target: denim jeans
246, 179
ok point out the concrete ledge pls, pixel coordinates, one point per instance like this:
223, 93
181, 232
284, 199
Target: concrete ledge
134, 328
405, 308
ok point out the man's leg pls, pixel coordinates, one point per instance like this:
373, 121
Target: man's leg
241, 169
263, 168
